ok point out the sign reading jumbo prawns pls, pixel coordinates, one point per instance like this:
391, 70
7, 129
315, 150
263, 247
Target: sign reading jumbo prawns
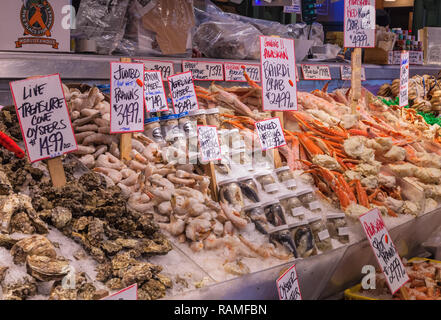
279, 87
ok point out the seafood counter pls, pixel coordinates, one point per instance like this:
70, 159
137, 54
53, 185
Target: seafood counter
159, 220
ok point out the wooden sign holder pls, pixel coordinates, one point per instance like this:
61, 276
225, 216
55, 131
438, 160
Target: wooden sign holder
276, 155
355, 79
125, 145
210, 171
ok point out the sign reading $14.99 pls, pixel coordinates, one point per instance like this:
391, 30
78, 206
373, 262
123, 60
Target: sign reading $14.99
126, 97
43, 116
384, 249
279, 86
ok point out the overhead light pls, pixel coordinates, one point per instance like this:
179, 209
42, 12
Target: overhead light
390, 0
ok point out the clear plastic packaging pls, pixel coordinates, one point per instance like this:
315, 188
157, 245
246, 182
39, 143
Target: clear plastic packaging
229, 191
212, 116
309, 200
249, 188
267, 182
257, 215
102, 21
152, 129
282, 235
286, 176
274, 213
337, 227
321, 234
292, 206
303, 239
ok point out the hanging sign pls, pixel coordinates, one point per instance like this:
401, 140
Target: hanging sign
346, 72
278, 65
166, 68
155, 98
295, 8
209, 143
288, 285
129, 293
384, 249
44, 118
126, 97
234, 72
404, 79
270, 133
209, 71
316, 72
359, 24
183, 93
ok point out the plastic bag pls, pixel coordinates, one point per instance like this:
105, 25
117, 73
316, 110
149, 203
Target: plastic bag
303, 31
159, 27
103, 21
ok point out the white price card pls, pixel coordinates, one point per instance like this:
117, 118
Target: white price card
384, 249
155, 98
234, 72
166, 68
183, 93
209, 143
359, 24
316, 72
129, 293
44, 118
270, 133
404, 79
346, 73
126, 97
278, 65
209, 71
288, 285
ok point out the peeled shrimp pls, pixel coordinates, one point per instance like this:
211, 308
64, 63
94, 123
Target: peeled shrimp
126, 172
130, 180
186, 175
196, 228
98, 138
186, 182
165, 208
87, 127
151, 151
197, 246
126, 190
175, 227
161, 181
195, 208
113, 174
260, 250
137, 156
114, 150
101, 122
137, 145
99, 151
237, 221
82, 150
162, 194
107, 160
135, 165
83, 135
140, 202
218, 228
88, 160
228, 228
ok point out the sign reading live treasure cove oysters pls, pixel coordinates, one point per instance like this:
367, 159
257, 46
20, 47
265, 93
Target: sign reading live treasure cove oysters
359, 24
43, 116
35, 25
279, 87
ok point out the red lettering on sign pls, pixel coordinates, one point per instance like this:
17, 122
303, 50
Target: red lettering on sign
372, 229
268, 53
272, 43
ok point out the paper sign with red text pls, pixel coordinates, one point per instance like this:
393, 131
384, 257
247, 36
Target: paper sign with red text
278, 65
288, 285
404, 79
359, 24
166, 68
270, 133
234, 72
155, 98
126, 97
129, 293
44, 118
183, 93
209, 71
316, 72
384, 249
209, 143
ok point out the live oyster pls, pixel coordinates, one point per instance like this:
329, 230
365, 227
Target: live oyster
47, 269
20, 290
60, 217
36, 245
83, 290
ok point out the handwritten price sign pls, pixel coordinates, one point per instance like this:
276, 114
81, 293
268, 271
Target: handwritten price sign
209, 71
316, 72
43, 116
278, 74
384, 249
346, 73
270, 133
288, 285
404, 79
234, 72
165, 67
126, 97
155, 99
209, 143
183, 93
359, 24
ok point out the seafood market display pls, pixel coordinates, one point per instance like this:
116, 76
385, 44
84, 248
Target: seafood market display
170, 222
